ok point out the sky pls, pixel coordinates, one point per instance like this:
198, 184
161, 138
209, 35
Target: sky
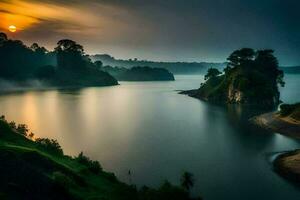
160, 30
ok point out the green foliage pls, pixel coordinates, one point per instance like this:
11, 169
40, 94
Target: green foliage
22, 129
292, 110
250, 77
62, 180
18, 62
212, 73
45, 72
93, 166
187, 181
39, 168
165, 191
68, 65
49, 145
70, 55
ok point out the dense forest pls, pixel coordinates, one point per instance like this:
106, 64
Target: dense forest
251, 77
173, 67
67, 65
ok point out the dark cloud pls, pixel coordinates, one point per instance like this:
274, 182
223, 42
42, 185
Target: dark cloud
177, 29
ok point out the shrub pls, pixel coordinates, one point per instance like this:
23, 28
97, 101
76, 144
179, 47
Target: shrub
286, 109
22, 129
50, 145
93, 166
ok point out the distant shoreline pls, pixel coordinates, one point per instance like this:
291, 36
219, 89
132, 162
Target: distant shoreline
283, 125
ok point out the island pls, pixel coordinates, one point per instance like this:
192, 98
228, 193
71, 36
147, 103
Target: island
139, 73
251, 77
35, 66
37, 168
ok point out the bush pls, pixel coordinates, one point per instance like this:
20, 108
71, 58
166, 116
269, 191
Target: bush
50, 145
93, 166
22, 129
286, 109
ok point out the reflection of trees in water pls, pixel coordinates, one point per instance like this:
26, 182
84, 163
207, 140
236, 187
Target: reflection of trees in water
248, 134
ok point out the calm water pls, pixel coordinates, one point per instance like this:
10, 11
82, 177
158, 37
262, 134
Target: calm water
157, 133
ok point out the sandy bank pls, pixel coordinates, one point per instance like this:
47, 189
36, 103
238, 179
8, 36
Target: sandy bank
283, 125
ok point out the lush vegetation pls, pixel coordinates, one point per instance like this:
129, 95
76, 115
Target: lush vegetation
290, 110
38, 169
139, 73
173, 67
251, 77
67, 65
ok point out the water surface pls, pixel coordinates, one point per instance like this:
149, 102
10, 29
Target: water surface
157, 134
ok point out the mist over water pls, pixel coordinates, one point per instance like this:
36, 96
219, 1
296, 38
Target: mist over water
149, 128
12, 86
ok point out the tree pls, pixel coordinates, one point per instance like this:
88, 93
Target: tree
240, 57
50, 145
37, 49
187, 181
3, 37
212, 73
70, 55
266, 62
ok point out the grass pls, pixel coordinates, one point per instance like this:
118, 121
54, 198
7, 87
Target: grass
30, 171
63, 174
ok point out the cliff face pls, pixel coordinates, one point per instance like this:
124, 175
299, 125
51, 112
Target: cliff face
251, 77
235, 95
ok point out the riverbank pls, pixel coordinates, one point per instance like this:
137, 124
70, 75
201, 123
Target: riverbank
288, 165
38, 169
276, 123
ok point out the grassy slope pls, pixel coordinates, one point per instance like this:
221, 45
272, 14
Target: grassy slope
28, 171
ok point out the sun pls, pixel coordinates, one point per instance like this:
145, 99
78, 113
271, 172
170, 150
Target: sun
12, 28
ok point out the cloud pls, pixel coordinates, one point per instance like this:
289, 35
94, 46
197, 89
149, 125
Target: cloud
159, 29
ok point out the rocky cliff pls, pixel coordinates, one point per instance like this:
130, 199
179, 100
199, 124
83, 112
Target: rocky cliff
251, 77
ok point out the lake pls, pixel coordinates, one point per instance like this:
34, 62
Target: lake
150, 129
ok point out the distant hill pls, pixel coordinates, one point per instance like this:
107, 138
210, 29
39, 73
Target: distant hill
173, 67
291, 70
139, 73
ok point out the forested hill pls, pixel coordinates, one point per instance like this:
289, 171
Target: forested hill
66, 66
173, 67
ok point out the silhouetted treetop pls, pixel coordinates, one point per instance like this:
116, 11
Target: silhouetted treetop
212, 73
69, 46
3, 37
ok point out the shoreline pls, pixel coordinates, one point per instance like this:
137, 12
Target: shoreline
287, 165
282, 125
